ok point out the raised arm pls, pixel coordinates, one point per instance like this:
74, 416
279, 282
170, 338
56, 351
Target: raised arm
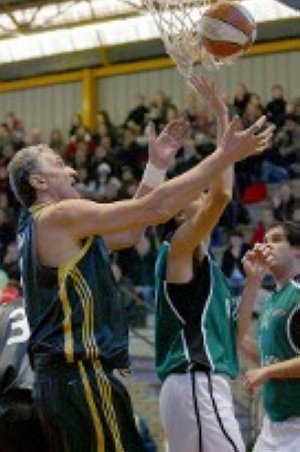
81, 218
255, 268
161, 150
210, 206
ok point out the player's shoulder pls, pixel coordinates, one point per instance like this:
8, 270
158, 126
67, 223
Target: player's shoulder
65, 211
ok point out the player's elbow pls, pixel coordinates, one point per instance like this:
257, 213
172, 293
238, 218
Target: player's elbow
157, 209
221, 198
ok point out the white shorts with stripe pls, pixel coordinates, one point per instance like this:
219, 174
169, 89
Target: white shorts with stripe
279, 436
179, 419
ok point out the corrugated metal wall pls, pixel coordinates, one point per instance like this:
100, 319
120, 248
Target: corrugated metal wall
259, 73
54, 106
44, 107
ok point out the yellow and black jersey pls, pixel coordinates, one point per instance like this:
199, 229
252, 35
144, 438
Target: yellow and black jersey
74, 311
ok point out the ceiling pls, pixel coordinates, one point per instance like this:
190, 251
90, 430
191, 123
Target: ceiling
95, 32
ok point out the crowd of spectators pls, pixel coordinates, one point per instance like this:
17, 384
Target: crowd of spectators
110, 159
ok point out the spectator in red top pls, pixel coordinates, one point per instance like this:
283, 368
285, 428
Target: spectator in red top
81, 136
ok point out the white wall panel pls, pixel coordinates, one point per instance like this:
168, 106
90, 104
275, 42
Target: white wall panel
43, 107
259, 73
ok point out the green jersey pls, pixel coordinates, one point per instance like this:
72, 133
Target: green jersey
279, 340
195, 322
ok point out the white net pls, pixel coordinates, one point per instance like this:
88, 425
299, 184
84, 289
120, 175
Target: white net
179, 24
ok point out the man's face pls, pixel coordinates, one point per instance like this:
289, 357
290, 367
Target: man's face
58, 179
279, 251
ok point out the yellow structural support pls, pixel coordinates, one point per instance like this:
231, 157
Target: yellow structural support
88, 77
89, 98
36, 82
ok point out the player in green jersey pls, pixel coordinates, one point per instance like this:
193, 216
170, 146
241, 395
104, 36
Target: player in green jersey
196, 324
78, 330
278, 336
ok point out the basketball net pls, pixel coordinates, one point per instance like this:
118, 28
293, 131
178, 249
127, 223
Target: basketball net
179, 24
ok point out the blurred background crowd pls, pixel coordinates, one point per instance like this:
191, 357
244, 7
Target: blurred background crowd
110, 160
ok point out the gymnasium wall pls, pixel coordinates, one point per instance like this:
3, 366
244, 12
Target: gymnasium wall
259, 73
44, 107
53, 105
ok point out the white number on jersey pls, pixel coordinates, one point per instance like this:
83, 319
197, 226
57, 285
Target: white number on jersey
19, 327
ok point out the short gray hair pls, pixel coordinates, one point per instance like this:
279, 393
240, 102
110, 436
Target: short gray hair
21, 166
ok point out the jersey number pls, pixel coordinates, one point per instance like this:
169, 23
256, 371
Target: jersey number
19, 327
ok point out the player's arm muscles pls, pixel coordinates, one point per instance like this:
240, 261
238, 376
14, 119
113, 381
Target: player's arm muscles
198, 228
125, 239
83, 218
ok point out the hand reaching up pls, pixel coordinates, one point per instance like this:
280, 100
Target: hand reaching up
237, 145
162, 149
214, 101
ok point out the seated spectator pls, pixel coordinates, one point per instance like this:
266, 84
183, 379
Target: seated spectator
162, 101
10, 261
275, 109
139, 113
16, 130
36, 136
283, 203
129, 181
186, 158
288, 140
231, 265
252, 113
8, 152
100, 186
57, 142
81, 136
241, 98
7, 233
104, 127
235, 213
131, 153
266, 220
5, 137
77, 122
171, 113
154, 116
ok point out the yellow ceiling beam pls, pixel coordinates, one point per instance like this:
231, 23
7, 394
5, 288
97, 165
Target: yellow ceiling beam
37, 82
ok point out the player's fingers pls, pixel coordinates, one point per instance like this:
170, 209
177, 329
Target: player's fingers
257, 125
234, 126
177, 131
150, 131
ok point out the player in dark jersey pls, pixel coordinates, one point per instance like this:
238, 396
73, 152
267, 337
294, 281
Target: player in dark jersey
20, 429
278, 336
196, 323
78, 329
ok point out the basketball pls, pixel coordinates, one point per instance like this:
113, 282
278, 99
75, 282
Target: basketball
227, 29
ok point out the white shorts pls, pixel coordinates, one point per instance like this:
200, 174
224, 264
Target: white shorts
279, 436
179, 418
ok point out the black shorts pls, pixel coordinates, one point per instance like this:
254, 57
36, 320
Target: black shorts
20, 427
84, 408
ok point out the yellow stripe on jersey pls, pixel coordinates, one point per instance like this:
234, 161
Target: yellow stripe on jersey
107, 405
63, 273
93, 409
87, 300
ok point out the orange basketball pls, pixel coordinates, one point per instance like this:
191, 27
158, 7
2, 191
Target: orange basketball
227, 29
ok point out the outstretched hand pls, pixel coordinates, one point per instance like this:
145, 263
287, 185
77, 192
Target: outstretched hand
239, 145
162, 149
